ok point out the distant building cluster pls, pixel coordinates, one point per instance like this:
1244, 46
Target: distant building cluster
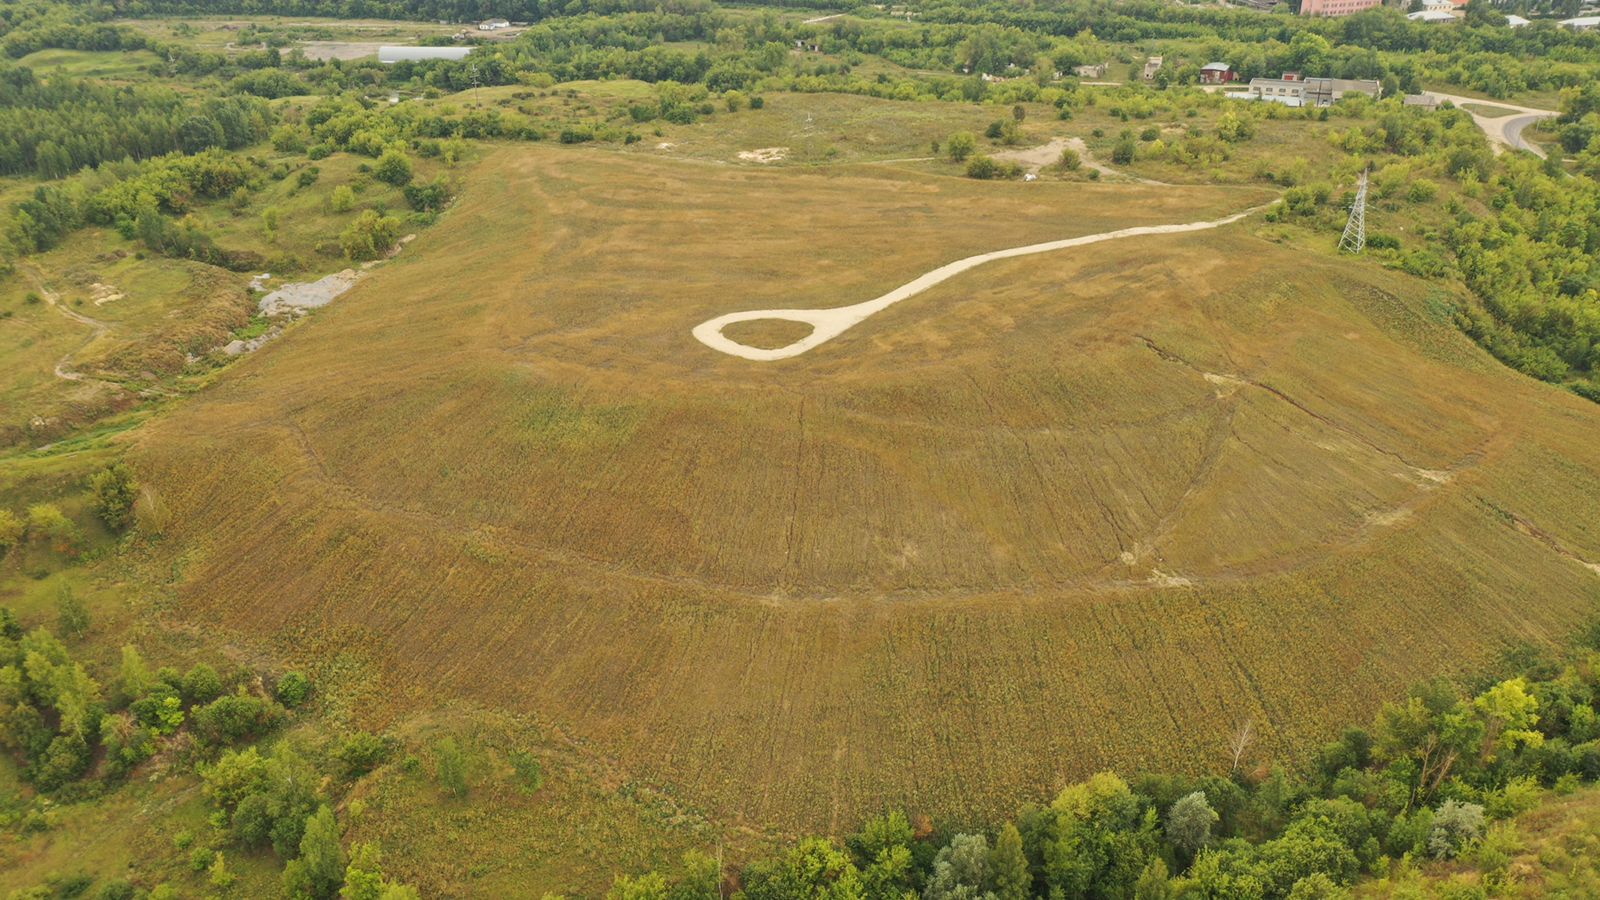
1336, 7
1295, 90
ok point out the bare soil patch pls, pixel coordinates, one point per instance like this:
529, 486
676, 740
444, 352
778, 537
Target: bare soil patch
764, 154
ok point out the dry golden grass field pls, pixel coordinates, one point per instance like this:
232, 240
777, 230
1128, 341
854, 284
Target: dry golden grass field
1063, 512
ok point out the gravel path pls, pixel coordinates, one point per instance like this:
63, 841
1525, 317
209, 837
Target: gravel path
828, 324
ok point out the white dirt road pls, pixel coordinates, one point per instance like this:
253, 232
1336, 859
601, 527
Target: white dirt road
827, 324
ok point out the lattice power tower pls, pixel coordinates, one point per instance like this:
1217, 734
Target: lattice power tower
1354, 239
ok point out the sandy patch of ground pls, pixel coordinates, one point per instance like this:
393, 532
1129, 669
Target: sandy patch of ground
665, 145
322, 51
102, 293
299, 297
1032, 159
764, 154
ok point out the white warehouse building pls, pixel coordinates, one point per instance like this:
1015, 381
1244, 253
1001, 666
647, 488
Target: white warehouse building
419, 54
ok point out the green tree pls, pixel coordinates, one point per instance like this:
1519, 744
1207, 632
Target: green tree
1008, 866
960, 869
201, 684
701, 878
452, 767
72, 617
134, 678
1455, 826
814, 870
393, 167
1153, 883
1189, 823
1509, 714
649, 886
364, 879
198, 133
342, 199
114, 494
319, 870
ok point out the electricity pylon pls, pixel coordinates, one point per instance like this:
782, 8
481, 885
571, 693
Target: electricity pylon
1354, 239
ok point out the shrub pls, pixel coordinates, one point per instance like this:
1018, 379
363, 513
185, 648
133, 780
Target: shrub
393, 167
982, 167
1070, 160
72, 615
342, 199
47, 525
369, 236
1124, 151
362, 752
452, 768
160, 709
293, 689
1422, 191
11, 530
1455, 827
114, 494
960, 145
233, 718
201, 684
427, 198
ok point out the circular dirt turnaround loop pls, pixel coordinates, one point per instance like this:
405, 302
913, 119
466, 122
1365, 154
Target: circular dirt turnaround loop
827, 324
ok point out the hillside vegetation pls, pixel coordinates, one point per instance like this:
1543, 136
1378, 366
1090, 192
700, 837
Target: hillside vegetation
486, 577
1295, 465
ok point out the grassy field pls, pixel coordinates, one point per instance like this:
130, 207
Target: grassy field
1062, 513
123, 65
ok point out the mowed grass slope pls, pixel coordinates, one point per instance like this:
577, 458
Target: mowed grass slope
1071, 511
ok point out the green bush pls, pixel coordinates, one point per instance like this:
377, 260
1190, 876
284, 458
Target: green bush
114, 494
293, 689
393, 167
201, 684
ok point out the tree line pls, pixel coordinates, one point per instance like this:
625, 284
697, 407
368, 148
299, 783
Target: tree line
1435, 777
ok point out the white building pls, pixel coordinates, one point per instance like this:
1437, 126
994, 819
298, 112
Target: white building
493, 24
1581, 23
1516, 21
1437, 16
1293, 90
390, 55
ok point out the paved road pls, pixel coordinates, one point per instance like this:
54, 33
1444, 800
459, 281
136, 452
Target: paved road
1505, 132
1513, 132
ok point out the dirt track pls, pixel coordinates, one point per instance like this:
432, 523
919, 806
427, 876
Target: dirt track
828, 324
